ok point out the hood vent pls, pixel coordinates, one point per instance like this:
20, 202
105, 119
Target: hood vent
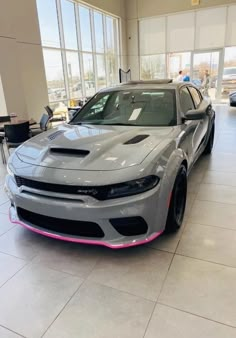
52, 136
69, 151
136, 139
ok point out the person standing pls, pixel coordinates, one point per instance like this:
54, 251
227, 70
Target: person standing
206, 83
186, 78
180, 76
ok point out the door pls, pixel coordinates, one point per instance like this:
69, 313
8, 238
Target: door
194, 130
199, 136
205, 72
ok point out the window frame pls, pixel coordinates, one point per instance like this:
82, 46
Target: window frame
62, 47
199, 95
181, 89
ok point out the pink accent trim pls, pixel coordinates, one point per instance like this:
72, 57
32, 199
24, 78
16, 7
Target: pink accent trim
88, 241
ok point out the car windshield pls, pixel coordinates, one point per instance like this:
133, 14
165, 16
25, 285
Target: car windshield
131, 108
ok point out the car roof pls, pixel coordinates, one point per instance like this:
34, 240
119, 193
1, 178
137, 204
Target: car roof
152, 84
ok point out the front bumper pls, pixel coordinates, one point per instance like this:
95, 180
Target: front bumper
87, 209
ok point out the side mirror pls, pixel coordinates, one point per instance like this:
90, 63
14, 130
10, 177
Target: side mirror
199, 113
195, 114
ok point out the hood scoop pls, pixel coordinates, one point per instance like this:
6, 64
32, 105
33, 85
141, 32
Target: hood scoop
136, 139
54, 135
69, 151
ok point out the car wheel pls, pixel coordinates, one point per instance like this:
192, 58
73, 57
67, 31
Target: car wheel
177, 202
210, 142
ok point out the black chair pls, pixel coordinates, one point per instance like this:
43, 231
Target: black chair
49, 111
16, 134
2, 149
43, 125
3, 119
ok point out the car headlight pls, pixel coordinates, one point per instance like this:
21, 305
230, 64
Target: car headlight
129, 188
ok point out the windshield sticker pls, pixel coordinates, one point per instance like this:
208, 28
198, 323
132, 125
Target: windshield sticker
135, 114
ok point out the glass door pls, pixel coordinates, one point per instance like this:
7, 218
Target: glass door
205, 72
177, 62
228, 84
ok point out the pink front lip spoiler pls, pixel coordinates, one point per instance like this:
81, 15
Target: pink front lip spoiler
87, 241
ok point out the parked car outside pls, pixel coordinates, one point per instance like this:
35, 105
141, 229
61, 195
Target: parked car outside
229, 80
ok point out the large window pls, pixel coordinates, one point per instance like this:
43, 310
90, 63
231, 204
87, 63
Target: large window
80, 48
229, 73
177, 62
153, 67
201, 43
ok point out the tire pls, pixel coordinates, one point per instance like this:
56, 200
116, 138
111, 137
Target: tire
178, 202
210, 141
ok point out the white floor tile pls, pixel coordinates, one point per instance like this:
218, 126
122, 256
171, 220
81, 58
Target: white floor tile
213, 213
217, 193
141, 271
33, 298
170, 323
201, 288
9, 266
4, 333
209, 243
98, 311
5, 224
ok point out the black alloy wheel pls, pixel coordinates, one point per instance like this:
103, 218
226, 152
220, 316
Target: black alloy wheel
178, 202
210, 142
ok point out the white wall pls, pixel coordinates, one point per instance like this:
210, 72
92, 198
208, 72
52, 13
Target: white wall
3, 107
150, 8
115, 7
21, 60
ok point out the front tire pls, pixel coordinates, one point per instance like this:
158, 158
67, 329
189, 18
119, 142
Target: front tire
178, 202
210, 142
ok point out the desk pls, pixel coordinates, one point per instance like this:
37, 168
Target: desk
15, 120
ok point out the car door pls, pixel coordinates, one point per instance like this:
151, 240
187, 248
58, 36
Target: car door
200, 134
189, 127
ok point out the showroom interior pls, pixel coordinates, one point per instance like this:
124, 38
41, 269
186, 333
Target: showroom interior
55, 56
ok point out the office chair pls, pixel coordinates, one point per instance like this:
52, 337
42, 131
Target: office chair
43, 125
16, 134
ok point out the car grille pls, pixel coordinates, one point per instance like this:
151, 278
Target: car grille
59, 225
96, 192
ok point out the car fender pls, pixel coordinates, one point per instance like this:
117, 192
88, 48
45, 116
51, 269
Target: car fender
167, 183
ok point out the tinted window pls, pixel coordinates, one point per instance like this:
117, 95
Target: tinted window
195, 95
186, 101
130, 107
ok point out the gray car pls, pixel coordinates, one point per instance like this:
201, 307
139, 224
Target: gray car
116, 175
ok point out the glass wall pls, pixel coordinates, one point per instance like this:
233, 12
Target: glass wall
190, 42
153, 67
80, 48
229, 72
177, 62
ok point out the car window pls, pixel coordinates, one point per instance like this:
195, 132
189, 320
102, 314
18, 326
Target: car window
131, 107
186, 101
196, 96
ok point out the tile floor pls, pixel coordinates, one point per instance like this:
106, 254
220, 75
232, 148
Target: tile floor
181, 286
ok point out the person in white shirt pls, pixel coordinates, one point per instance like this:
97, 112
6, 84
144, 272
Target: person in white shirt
180, 76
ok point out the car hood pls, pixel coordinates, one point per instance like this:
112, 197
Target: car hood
89, 147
